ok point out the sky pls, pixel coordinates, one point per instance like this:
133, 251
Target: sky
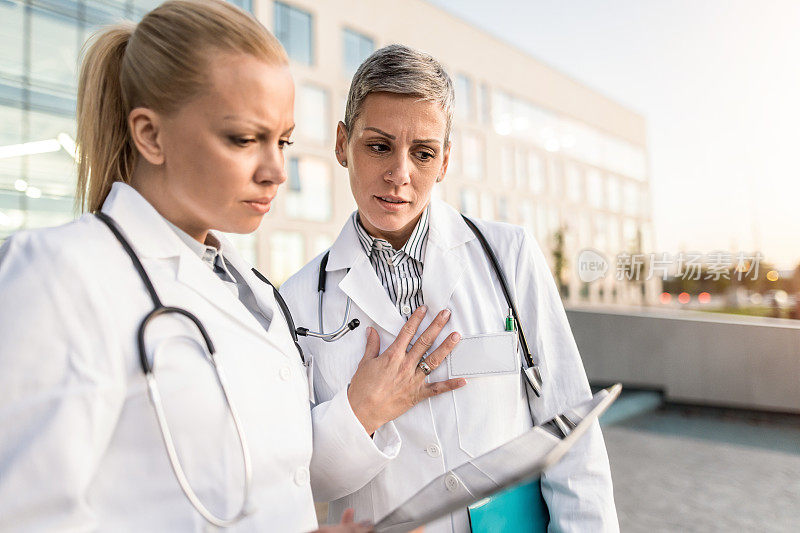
718, 82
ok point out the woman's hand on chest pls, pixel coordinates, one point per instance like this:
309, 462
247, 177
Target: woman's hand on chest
386, 385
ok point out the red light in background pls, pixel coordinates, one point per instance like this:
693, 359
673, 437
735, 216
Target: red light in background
684, 297
703, 297
666, 297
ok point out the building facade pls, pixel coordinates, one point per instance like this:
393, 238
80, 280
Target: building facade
531, 146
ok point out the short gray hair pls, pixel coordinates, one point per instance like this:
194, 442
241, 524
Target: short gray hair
399, 69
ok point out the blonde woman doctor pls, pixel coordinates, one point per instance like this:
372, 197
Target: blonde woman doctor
401, 251
196, 417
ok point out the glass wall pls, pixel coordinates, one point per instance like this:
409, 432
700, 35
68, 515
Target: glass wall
40, 43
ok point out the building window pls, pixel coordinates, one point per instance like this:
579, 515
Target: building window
482, 100
536, 179
487, 206
293, 30
286, 254
357, 48
313, 114
555, 176
631, 199
574, 185
309, 198
507, 165
502, 209
469, 202
472, 153
613, 194
463, 87
294, 175
594, 188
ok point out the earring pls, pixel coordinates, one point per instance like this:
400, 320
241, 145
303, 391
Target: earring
390, 172
344, 164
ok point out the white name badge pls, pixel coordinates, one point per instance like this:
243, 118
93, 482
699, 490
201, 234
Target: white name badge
485, 354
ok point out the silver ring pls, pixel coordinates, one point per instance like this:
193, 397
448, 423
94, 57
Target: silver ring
422, 365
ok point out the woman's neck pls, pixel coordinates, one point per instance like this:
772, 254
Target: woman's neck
152, 185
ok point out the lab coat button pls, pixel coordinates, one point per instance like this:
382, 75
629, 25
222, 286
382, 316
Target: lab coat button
286, 373
433, 450
406, 310
450, 482
301, 476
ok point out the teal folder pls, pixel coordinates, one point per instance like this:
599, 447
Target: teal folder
520, 509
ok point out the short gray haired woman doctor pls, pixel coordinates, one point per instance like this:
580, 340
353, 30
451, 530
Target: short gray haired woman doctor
399, 252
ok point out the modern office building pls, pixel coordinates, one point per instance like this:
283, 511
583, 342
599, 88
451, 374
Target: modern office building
531, 146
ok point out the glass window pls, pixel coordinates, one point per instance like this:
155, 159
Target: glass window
472, 153
286, 255
536, 178
541, 224
632, 197
311, 200
600, 240
630, 235
293, 30
294, 184
487, 206
320, 243
484, 114
54, 50
469, 202
526, 216
555, 175
246, 244
613, 236
574, 183
463, 87
521, 168
502, 209
613, 193
11, 48
507, 165
594, 188
357, 48
313, 114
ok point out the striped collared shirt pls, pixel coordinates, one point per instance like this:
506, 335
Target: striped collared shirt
400, 271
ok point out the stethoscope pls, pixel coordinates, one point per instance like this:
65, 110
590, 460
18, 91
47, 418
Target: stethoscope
529, 369
160, 309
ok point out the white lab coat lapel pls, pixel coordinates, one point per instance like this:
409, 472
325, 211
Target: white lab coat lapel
152, 238
265, 298
361, 283
445, 256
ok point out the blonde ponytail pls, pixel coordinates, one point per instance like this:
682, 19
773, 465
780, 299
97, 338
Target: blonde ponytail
105, 147
159, 64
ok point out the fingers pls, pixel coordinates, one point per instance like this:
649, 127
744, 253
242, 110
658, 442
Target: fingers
426, 340
373, 347
443, 350
409, 329
348, 515
432, 389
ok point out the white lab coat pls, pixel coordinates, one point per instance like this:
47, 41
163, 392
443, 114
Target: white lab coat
80, 448
447, 430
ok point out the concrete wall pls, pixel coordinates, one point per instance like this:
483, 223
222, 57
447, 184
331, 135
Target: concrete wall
700, 358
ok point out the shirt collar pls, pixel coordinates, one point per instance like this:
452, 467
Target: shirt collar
209, 252
414, 246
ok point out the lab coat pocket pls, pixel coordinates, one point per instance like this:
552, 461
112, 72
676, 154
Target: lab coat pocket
486, 406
